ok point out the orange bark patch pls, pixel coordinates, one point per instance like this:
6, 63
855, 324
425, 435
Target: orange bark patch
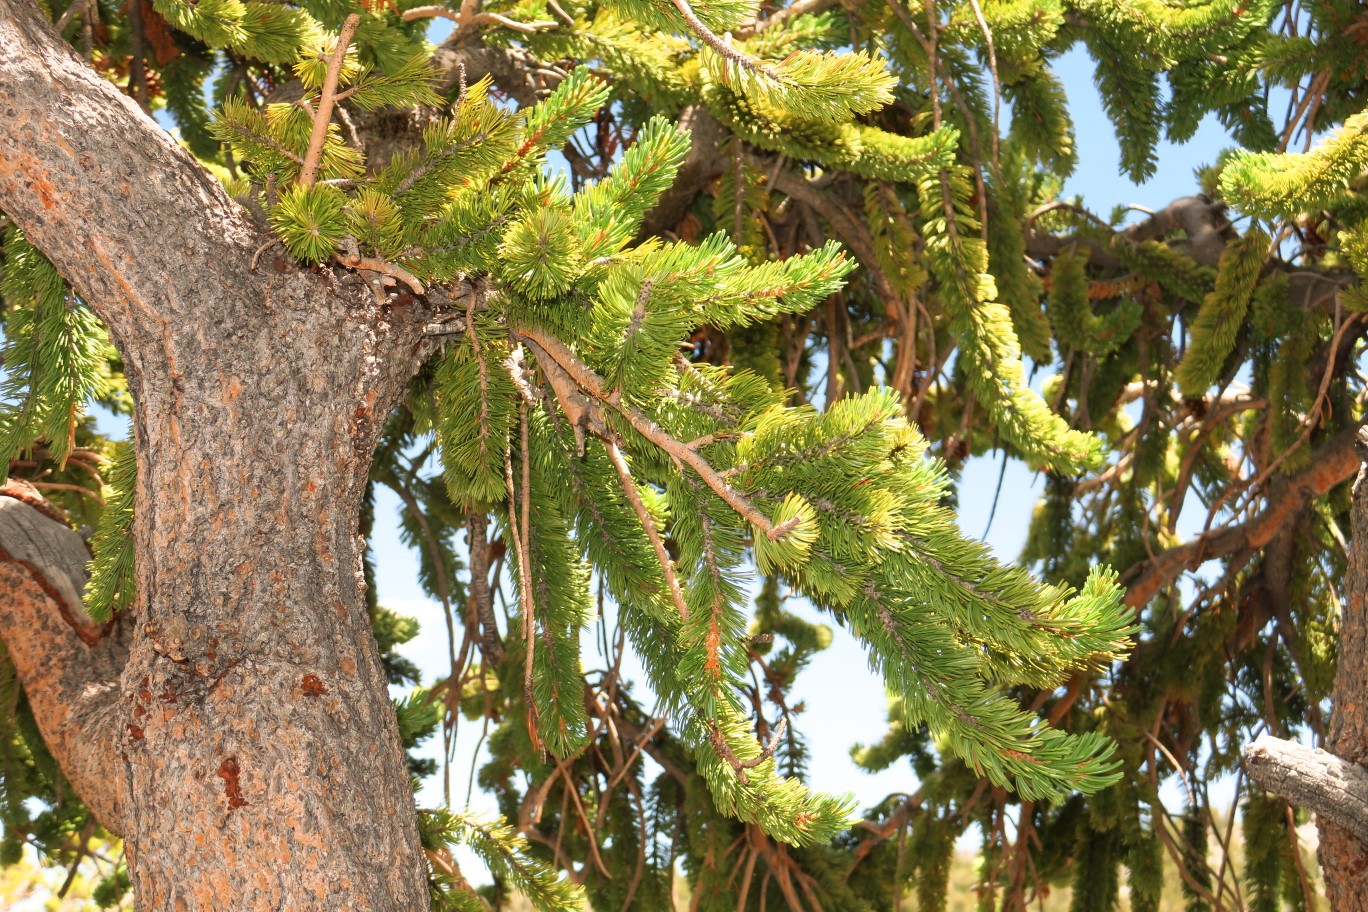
713, 643
229, 771
312, 686
46, 192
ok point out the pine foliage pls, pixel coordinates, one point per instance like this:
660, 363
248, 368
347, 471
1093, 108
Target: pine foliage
111, 586
56, 355
665, 424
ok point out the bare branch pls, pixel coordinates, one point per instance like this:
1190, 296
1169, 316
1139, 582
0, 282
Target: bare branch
662, 556
1335, 789
1332, 464
309, 173
68, 665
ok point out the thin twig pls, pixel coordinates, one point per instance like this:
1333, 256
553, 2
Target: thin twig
662, 556
352, 258
484, 18
524, 587
997, 83
593, 384
719, 45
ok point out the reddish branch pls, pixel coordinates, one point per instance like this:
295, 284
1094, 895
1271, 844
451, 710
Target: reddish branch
69, 667
1333, 464
323, 118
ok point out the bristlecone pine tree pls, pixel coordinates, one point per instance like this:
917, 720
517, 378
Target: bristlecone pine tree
698, 309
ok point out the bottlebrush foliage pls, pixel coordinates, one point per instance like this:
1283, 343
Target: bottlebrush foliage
728, 294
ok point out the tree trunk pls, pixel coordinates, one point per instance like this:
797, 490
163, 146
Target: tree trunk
1334, 782
1343, 856
261, 764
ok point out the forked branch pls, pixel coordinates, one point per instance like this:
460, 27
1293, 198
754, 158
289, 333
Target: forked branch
593, 385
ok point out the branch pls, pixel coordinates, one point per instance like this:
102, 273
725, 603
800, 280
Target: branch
1333, 464
849, 229
351, 257
69, 666
107, 194
593, 384
462, 23
1335, 789
326, 98
778, 17
1202, 220
725, 50
648, 524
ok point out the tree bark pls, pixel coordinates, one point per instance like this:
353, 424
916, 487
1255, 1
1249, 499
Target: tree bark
1343, 855
260, 759
1334, 782
69, 667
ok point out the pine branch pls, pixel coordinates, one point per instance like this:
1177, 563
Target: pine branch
593, 384
465, 22
629, 488
323, 117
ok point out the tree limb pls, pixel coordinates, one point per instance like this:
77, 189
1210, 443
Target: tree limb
109, 196
323, 116
1332, 464
69, 666
1335, 789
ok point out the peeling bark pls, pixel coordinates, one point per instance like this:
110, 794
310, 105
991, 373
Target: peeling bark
261, 761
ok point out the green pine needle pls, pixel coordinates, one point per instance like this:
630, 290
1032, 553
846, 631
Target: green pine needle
110, 588
310, 221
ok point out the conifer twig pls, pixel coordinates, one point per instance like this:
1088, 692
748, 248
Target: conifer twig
352, 258
515, 530
309, 172
520, 531
477, 539
778, 17
634, 497
711, 39
593, 384
464, 22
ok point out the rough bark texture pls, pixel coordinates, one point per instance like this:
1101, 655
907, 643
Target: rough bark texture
1318, 781
1344, 856
259, 397
69, 666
